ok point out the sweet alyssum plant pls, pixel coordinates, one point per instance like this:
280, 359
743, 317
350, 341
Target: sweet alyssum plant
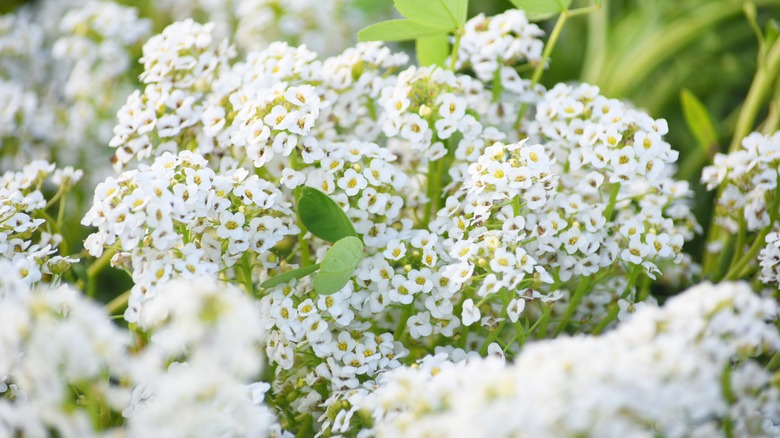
361, 224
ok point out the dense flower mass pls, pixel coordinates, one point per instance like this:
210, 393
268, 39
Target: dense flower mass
748, 179
661, 372
323, 240
178, 219
29, 246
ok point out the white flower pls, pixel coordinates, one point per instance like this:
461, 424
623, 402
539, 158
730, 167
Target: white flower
471, 313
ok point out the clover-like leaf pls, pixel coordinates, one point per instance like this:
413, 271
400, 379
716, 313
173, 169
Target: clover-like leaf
323, 217
397, 30
432, 50
541, 9
339, 265
441, 14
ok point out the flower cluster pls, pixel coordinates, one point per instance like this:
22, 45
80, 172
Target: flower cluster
60, 354
616, 204
24, 241
748, 202
748, 177
64, 65
662, 372
178, 218
196, 375
427, 105
56, 350
462, 225
499, 43
326, 26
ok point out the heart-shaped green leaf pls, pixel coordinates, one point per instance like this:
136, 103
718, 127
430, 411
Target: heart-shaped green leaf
339, 265
289, 275
432, 50
440, 14
397, 30
541, 9
323, 217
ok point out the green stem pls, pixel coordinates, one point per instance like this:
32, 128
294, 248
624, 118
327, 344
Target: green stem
548, 48
737, 270
302, 240
541, 324
492, 337
455, 48
516, 210
728, 395
612, 201
740, 243
765, 77
246, 274
611, 315
774, 363
400, 329
95, 269
582, 287
435, 170
117, 303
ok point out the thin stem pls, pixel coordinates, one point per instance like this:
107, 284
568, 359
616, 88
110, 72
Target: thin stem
762, 82
612, 201
455, 49
774, 363
728, 395
117, 303
737, 270
246, 274
765, 77
93, 271
548, 48
582, 287
541, 324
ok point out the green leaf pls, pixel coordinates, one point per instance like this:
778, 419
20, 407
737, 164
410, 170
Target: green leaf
699, 121
338, 266
433, 50
396, 30
432, 13
541, 9
289, 275
772, 31
460, 9
322, 216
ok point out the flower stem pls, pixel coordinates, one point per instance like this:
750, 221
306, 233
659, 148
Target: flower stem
612, 201
548, 48
582, 287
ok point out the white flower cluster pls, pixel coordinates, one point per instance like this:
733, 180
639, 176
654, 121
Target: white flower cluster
748, 180
661, 373
427, 105
616, 203
57, 350
63, 66
96, 39
61, 358
195, 377
326, 26
499, 43
24, 241
769, 259
178, 218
